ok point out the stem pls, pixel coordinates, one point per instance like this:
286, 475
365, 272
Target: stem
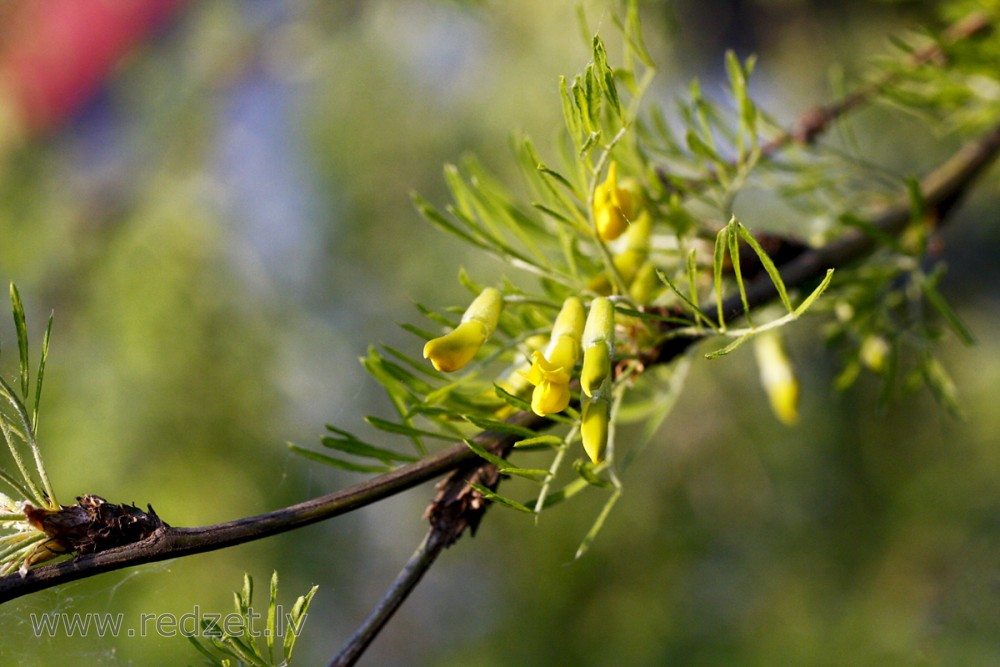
174, 542
816, 120
411, 574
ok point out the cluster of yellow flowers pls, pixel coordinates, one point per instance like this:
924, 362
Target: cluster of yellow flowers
551, 371
616, 211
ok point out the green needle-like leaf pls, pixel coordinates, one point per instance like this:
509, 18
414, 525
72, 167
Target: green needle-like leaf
492, 496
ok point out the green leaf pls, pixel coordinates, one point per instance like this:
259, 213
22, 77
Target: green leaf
500, 500
22, 336
734, 257
729, 348
299, 610
499, 426
929, 287
542, 441
41, 374
804, 306
873, 232
438, 219
598, 524
940, 383
482, 453
560, 179
337, 463
691, 306
512, 400
718, 258
272, 616
563, 494
607, 76
212, 658
765, 261
700, 148
571, 113
632, 32
247, 596
406, 429
585, 469
348, 444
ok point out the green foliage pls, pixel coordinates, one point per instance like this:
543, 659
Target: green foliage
234, 640
694, 171
675, 271
22, 543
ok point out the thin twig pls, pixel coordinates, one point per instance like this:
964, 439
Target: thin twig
815, 121
169, 542
414, 570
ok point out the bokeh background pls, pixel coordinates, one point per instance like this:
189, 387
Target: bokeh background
213, 197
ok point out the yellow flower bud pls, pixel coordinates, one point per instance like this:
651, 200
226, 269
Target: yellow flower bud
777, 377
569, 321
454, 350
612, 206
875, 353
646, 285
598, 345
594, 428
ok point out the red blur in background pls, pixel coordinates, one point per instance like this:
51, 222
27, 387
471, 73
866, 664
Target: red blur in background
55, 54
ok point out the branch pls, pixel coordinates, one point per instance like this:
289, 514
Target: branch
456, 509
816, 120
167, 543
458, 506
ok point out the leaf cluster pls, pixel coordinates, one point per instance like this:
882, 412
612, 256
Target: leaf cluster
233, 641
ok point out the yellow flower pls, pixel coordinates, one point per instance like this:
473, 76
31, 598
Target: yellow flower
454, 350
594, 428
551, 382
551, 372
777, 377
630, 262
612, 206
598, 345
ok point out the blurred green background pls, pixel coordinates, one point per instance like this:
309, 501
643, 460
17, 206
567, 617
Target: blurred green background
222, 225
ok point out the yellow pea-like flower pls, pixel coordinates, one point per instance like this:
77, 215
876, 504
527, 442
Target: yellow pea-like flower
551, 393
455, 349
598, 345
551, 372
612, 206
777, 377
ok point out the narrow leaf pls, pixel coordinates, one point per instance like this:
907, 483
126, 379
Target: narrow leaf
335, 462
804, 306
718, 258
540, 441
586, 470
734, 257
498, 426
41, 374
598, 524
363, 449
940, 304
406, 429
512, 400
768, 265
22, 336
501, 500
729, 348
